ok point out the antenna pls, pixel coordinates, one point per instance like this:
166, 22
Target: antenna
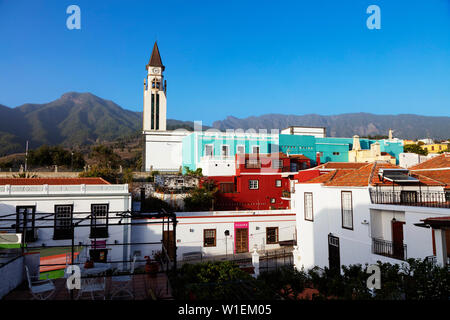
26, 156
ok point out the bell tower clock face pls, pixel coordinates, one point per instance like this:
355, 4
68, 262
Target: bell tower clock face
156, 70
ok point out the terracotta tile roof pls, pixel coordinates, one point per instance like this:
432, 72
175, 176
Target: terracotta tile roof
441, 161
341, 165
442, 176
329, 176
51, 181
369, 175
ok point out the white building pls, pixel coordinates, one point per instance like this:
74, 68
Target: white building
318, 132
219, 232
369, 214
163, 148
47, 207
407, 159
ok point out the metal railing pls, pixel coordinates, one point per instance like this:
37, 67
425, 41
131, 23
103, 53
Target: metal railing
412, 198
389, 249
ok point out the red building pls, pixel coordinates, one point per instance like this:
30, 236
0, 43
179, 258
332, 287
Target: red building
261, 182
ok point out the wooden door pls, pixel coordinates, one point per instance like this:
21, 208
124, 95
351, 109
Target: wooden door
397, 239
169, 243
334, 257
241, 240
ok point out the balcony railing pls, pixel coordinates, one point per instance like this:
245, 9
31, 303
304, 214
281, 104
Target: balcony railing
412, 198
389, 249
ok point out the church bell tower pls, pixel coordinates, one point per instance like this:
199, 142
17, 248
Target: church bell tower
155, 103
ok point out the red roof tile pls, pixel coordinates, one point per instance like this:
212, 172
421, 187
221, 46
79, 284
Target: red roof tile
51, 181
442, 176
341, 165
329, 176
441, 161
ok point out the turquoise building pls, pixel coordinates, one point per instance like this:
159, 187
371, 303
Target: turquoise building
199, 146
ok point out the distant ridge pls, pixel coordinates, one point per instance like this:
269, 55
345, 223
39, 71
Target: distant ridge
405, 126
74, 119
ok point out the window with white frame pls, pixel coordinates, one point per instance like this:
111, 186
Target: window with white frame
278, 183
225, 150
272, 235
240, 149
253, 184
255, 149
63, 222
209, 151
347, 210
209, 237
309, 214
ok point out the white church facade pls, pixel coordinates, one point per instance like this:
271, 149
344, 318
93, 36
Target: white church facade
163, 148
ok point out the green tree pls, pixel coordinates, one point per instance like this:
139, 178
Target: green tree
55, 155
201, 198
108, 174
196, 173
415, 148
104, 156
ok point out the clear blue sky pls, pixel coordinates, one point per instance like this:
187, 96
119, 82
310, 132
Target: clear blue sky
237, 58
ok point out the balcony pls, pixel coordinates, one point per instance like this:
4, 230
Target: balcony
412, 198
389, 249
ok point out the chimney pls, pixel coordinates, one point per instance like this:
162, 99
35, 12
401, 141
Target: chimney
375, 149
356, 143
317, 158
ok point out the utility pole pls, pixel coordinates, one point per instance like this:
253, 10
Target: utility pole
26, 156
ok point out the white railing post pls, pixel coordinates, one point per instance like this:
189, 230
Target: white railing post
255, 263
296, 256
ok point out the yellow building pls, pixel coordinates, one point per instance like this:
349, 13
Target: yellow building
435, 148
405, 142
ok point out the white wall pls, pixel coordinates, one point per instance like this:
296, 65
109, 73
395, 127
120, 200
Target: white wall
11, 276
356, 244
82, 205
163, 150
192, 241
218, 167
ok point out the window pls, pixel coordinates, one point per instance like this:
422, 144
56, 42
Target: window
447, 196
278, 183
225, 151
252, 164
272, 235
277, 164
25, 221
240, 149
227, 187
272, 200
336, 153
255, 149
347, 210
209, 150
153, 112
63, 222
99, 221
253, 184
309, 214
209, 237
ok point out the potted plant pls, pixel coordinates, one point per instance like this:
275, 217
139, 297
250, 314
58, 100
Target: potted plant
151, 266
89, 264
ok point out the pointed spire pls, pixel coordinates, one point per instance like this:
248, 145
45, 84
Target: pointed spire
155, 59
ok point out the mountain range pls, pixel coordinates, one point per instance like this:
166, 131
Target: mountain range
77, 119
405, 126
